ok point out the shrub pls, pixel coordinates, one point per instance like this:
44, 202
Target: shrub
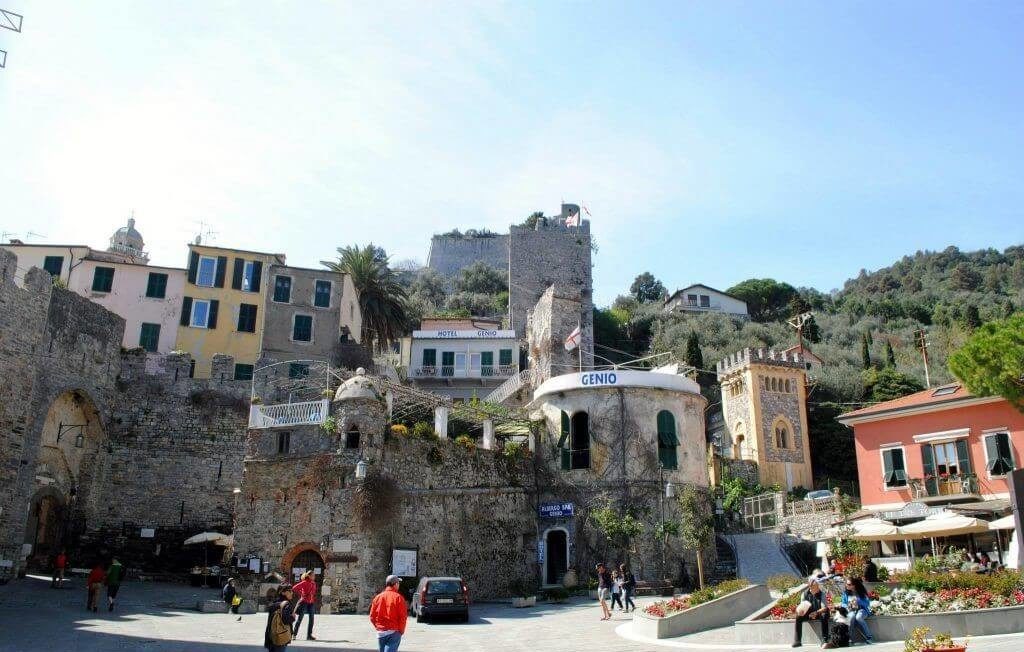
783, 582
423, 430
329, 425
662, 608
399, 430
465, 441
514, 450
883, 574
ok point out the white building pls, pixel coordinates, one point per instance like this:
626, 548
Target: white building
701, 298
462, 358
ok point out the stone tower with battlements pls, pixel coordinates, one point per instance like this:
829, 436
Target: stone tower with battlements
765, 409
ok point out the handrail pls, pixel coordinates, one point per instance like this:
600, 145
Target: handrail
288, 414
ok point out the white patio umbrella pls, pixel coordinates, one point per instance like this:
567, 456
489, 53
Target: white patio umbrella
216, 538
1004, 523
944, 524
869, 529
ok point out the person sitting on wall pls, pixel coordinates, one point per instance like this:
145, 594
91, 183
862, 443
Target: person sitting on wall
812, 607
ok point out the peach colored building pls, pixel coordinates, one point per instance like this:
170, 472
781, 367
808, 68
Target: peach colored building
939, 446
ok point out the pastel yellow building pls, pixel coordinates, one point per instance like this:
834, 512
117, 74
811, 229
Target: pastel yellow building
765, 412
223, 306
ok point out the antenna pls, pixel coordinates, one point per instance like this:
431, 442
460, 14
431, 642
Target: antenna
205, 233
12, 21
33, 234
797, 323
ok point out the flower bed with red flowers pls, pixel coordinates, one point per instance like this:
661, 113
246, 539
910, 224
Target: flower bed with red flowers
663, 608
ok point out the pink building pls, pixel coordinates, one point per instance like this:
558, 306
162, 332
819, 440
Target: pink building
941, 445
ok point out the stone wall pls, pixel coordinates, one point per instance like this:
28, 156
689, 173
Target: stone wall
550, 321
449, 254
551, 254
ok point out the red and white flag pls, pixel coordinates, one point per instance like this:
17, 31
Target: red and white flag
573, 219
573, 340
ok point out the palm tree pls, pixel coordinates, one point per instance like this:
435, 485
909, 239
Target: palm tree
381, 296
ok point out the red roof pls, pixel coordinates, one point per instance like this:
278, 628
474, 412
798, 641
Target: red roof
951, 393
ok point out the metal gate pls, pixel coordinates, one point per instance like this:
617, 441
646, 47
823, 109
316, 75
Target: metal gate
759, 512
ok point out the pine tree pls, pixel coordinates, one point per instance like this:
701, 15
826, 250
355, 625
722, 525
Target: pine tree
971, 317
865, 351
890, 355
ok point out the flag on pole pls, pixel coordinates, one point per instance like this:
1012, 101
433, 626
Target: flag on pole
573, 219
573, 340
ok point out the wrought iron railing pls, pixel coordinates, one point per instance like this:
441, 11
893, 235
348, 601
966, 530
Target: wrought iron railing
288, 414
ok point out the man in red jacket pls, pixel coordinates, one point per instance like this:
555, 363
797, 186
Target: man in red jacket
306, 590
388, 613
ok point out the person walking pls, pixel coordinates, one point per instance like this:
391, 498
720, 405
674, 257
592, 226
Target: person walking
812, 607
628, 588
60, 563
231, 596
306, 590
93, 583
870, 570
280, 616
388, 615
617, 591
604, 584
114, 576
858, 605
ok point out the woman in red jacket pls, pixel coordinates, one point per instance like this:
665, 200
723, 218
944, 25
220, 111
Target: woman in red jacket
388, 613
306, 590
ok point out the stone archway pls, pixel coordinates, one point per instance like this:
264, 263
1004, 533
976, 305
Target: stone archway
305, 557
46, 524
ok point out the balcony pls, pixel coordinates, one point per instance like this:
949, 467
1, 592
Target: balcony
944, 488
448, 371
283, 415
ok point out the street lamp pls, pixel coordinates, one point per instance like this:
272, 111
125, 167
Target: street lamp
360, 470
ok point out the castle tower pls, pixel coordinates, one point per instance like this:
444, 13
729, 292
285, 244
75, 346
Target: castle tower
765, 410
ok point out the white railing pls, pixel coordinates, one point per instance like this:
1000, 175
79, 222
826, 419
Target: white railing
449, 371
503, 391
288, 414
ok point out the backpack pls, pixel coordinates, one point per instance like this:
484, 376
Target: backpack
280, 633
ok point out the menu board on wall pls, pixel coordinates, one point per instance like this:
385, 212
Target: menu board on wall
403, 562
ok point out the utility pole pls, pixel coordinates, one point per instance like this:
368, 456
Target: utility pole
921, 340
797, 323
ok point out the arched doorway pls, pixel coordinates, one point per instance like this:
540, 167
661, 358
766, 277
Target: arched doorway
45, 527
305, 558
556, 545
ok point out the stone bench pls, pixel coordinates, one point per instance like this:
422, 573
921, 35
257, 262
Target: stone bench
664, 589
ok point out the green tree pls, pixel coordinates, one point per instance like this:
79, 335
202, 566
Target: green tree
617, 527
647, 289
381, 296
767, 299
887, 383
865, 351
890, 355
1008, 309
534, 217
965, 277
481, 278
972, 318
812, 332
696, 524
429, 285
991, 362
694, 357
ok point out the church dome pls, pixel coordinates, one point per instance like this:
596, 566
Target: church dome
357, 387
127, 240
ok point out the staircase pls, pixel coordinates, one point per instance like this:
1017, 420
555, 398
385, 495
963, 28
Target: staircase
725, 566
760, 555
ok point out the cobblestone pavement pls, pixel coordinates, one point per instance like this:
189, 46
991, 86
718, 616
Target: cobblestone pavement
758, 556
155, 617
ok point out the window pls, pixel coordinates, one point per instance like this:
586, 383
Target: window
575, 433
487, 363
191, 369
283, 289
200, 313
243, 371
53, 265
429, 357
781, 436
945, 464
206, 275
156, 286
998, 453
505, 357
691, 299
149, 337
667, 440
322, 294
298, 370
894, 468
788, 388
705, 301
246, 318
945, 391
284, 442
102, 279
248, 273
352, 438
302, 328
447, 363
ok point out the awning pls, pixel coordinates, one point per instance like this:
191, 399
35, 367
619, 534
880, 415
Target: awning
216, 538
945, 524
1004, 523
869, 529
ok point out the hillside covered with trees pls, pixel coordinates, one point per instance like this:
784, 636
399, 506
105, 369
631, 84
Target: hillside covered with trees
865, 332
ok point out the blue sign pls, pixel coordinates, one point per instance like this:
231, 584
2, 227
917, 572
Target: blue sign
540, 551
556, 510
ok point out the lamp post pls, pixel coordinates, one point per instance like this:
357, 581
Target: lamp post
361, 470
668, 490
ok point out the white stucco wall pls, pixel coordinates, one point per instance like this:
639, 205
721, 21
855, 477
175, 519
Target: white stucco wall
33, 256
719, 302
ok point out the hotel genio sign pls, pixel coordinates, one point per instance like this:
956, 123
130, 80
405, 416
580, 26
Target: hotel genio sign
478, 334
555, 510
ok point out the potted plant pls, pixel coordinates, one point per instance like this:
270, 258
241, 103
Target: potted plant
920, 641
524, 594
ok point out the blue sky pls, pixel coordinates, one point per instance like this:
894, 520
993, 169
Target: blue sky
711, 141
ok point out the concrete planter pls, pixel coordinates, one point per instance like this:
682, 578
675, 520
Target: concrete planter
720, 612
978, 622
520, 603
593, 594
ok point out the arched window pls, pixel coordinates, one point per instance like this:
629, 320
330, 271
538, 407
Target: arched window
788, 390
775, 384
783, 433
574, 441
739, 440
667, 440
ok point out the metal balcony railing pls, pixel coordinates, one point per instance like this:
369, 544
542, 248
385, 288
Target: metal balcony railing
288, 414
450, 371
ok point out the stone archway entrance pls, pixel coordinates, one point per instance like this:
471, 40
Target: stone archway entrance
556, 545
302, 558
45, 529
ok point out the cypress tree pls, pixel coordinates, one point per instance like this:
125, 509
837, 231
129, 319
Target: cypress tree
865, 352
890, 355
694, 357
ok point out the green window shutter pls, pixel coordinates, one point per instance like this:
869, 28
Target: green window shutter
928, 462
899, 468
257, 274
992, 451
1006, 451
222, 266
211, 321
193, 267
236, 274
505, 356
963, 456
186, 311
448, 358
565, 430
667, 457
149, 337
566, 459
487, 358
243, 371
429, 357
887, 467
103, 279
